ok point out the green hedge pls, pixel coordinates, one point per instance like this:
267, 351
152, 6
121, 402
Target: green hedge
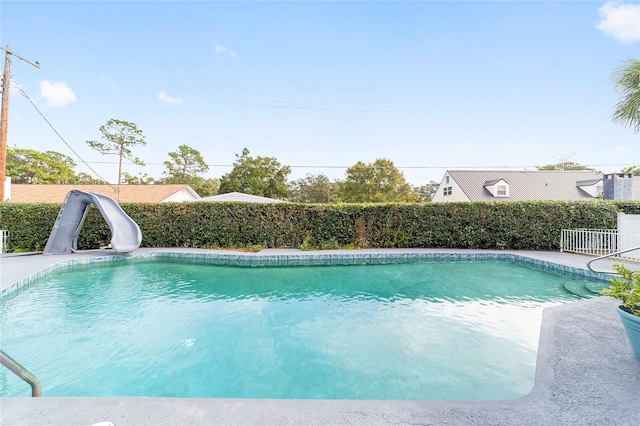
506, 225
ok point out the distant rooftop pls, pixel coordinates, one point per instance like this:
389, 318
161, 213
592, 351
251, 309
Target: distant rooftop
239, 197
21, 193
525, 185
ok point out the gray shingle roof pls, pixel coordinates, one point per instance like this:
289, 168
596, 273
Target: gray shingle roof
525, 185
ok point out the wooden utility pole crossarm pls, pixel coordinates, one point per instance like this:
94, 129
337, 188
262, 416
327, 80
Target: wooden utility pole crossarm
4, 112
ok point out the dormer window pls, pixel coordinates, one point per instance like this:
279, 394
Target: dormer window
592, 187
497, 188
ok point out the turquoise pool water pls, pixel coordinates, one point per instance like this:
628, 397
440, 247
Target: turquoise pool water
162, 328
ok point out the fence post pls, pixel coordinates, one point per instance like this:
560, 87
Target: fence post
4, 235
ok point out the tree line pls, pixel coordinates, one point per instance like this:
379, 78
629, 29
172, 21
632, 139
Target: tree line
377, 182
380, 181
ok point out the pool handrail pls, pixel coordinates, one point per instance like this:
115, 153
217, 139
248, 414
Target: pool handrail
21, 372
604, 256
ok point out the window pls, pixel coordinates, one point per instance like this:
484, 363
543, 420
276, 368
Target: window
446, 179
446, 190
497, 188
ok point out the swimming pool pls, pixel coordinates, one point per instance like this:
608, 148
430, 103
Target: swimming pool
421, 330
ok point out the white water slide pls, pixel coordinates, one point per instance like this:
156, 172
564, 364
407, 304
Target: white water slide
125, 233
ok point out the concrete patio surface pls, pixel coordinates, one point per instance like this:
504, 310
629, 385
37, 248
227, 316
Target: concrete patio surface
586, 374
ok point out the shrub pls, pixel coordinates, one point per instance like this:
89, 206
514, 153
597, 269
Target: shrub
625, 288
534, 225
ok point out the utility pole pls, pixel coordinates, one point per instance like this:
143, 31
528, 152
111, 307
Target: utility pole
4, 113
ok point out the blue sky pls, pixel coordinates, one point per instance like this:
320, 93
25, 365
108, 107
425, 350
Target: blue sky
429, 85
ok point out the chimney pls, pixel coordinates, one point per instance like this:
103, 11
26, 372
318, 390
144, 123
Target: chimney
617, 186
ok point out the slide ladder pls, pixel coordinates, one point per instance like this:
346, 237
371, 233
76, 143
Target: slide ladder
125, 232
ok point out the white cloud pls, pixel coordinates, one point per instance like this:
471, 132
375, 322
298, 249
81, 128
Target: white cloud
620, 21
166, 99
57, 94
223, 50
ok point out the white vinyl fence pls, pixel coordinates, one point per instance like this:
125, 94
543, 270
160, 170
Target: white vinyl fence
3, 240
600, 242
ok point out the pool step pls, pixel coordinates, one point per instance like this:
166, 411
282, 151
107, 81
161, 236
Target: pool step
596, 287
578, 288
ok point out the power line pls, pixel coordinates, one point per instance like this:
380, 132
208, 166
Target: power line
58, 134
309, 166
306, 166
4, 112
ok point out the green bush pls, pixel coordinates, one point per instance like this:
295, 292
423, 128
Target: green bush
534, 225
625, 288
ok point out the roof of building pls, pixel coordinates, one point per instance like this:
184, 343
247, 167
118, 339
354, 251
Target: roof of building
588, 182
492, 182
120, 193
525, 185
240, 197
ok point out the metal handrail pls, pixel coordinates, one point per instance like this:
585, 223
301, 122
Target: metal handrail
608, 255
21, 372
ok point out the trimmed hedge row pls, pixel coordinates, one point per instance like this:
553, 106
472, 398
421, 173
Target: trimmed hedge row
532, 225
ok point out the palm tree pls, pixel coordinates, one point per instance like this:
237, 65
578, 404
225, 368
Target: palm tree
626, 80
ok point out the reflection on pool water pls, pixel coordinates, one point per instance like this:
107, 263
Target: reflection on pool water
423, 330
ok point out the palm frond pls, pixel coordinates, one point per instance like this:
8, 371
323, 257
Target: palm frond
626, 82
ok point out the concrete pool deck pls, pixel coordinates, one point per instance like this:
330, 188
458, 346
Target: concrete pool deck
586, 374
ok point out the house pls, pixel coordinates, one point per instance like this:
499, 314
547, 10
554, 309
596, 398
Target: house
239, 197
120, 193
509, 185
